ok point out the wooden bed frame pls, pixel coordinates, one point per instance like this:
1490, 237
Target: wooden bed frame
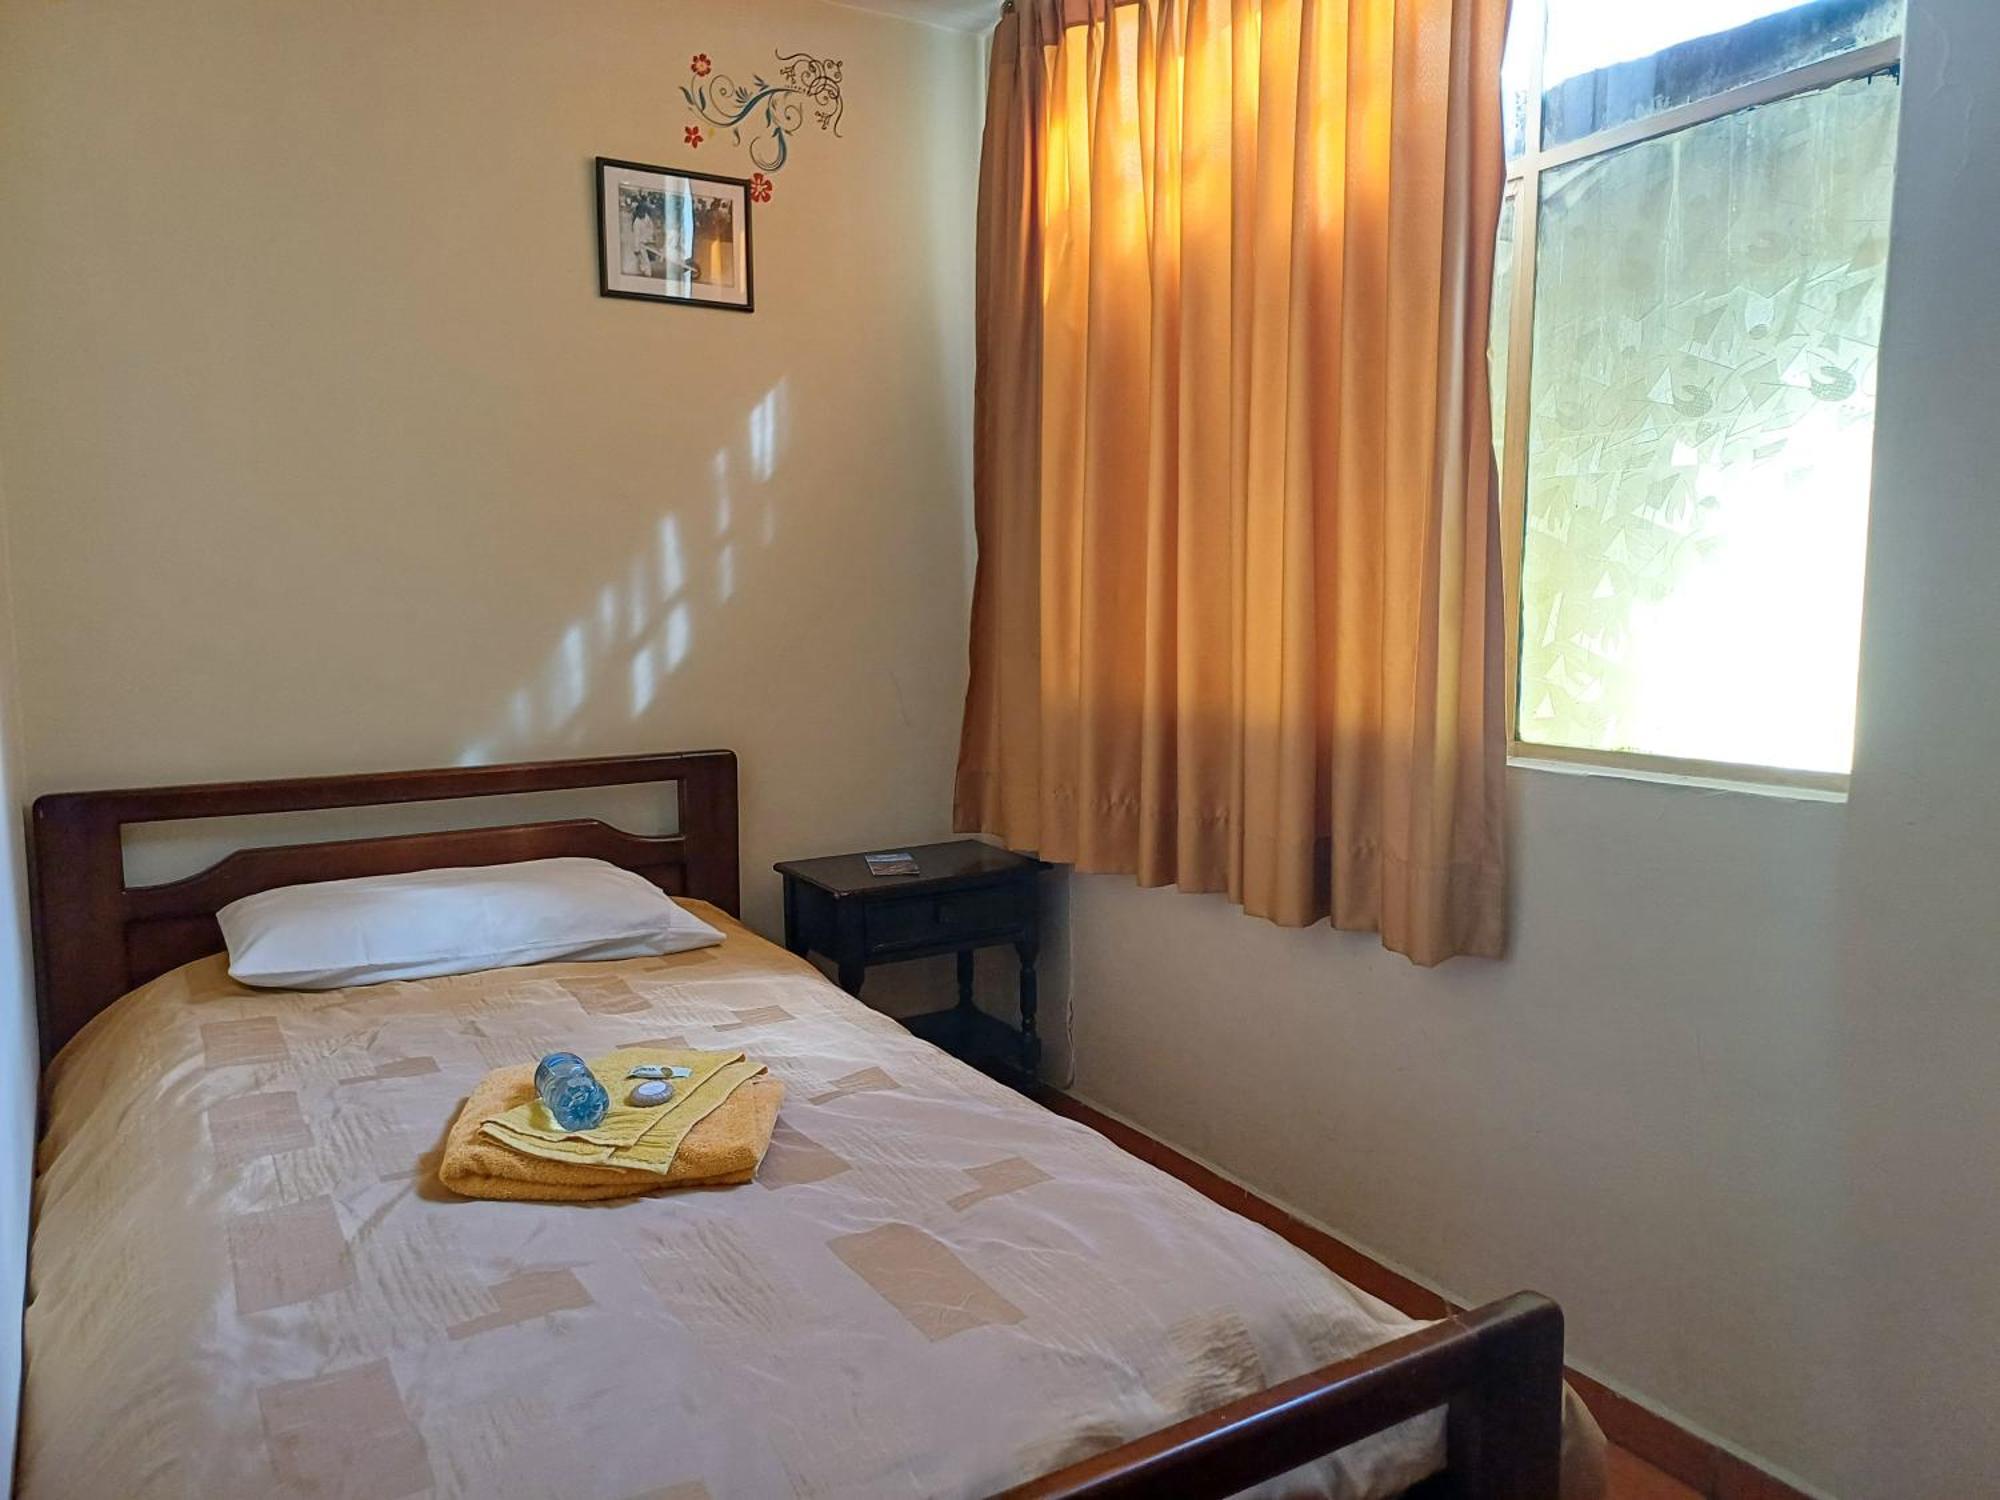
1496, 1370
96, 937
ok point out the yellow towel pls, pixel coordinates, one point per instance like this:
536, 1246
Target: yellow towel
640, 1137
725, 1145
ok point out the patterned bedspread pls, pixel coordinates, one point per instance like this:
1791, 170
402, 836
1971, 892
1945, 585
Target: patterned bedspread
247, 1282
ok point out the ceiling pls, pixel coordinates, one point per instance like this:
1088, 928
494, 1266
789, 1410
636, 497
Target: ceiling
960, 15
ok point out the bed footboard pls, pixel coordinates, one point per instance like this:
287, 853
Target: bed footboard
1497, 1371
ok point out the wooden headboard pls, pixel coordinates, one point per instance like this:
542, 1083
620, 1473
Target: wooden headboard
96, 937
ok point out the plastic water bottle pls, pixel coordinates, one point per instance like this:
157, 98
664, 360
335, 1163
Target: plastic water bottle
571, 1091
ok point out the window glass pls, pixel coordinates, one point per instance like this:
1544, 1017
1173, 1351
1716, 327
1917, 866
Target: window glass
1500, 323
1517, 72
1700, 432
1606, 62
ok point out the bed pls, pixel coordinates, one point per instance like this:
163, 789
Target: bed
245, 1279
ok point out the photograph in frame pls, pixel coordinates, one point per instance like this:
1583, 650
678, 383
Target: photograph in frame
673, 236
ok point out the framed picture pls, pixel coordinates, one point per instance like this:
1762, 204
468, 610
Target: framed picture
669, 236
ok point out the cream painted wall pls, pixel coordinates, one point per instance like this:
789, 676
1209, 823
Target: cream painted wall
324, 453
1733, 1097
962, 15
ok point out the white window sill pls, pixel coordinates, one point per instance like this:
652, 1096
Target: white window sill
1783, 791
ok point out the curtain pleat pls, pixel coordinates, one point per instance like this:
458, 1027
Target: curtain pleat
1236, 619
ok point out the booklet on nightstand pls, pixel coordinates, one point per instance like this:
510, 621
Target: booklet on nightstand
902, 862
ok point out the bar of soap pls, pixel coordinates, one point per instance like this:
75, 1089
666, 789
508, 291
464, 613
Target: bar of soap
653, 1091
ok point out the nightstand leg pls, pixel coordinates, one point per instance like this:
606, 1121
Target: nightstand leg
795, 940
850, 946
1031, 1042
965, 979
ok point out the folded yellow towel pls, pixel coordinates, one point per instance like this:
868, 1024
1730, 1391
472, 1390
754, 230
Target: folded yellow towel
641, 1137
723, 1145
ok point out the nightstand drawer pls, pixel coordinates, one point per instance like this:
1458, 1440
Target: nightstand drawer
923, 921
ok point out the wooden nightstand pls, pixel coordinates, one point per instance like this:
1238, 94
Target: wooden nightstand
965, 895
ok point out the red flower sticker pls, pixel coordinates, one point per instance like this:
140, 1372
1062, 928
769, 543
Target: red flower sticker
700, 65
692, 135
760, 188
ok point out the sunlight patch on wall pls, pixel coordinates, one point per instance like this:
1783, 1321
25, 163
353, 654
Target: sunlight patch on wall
638, 627
673, 570
567, 671
645, 679
766, 422
635, 597
679, 633
607, 616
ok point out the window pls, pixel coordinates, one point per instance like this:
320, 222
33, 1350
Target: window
1688, 293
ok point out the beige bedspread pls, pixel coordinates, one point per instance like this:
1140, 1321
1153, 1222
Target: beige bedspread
247, 1282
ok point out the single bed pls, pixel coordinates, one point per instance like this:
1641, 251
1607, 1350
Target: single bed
245, 1279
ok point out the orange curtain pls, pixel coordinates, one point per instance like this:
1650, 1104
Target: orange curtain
1237, 619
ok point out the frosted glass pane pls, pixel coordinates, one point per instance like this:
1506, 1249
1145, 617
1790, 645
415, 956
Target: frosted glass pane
1500, 323
1517, 72
1700, 433
1609, 61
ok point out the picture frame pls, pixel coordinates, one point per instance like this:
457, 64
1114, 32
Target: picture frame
669, 235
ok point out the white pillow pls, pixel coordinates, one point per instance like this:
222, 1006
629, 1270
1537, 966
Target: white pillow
337, 933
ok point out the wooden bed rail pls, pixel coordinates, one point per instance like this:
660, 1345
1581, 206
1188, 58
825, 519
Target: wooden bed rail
1497, 1371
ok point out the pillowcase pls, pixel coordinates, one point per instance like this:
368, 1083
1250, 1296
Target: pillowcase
337, 933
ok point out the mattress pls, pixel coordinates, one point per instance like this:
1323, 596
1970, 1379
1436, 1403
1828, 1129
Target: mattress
246, 1280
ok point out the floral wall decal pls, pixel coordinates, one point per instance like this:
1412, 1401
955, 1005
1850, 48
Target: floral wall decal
770, 111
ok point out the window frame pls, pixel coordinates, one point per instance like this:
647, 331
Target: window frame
1523, 192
